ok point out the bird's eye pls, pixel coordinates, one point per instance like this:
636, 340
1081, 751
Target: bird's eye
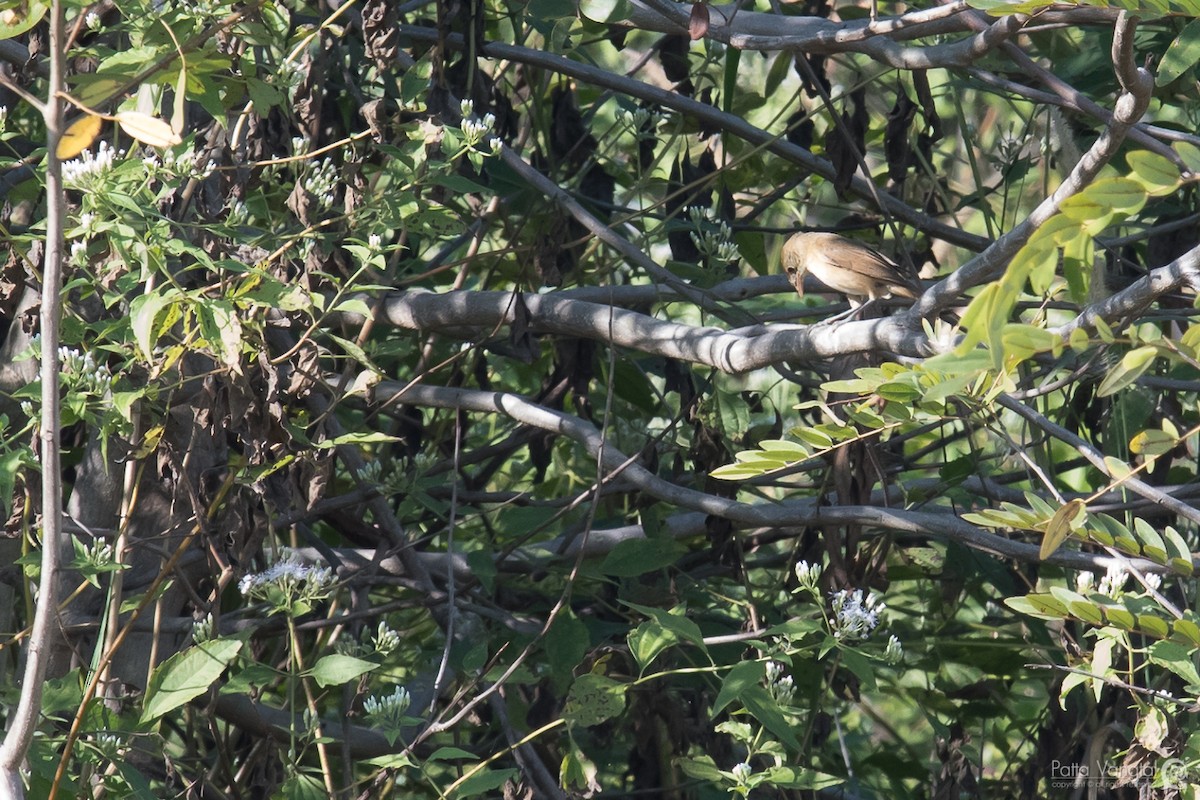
791, 270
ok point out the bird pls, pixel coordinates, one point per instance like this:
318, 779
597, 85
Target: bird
846, 266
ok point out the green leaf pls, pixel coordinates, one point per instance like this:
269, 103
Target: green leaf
1179, 555
144, 311
482, 782
1153, 626
743, 675
764, 709
1156, 173
793, 451
336, 669
1120, 617
647, 641
1178, 659
1152, 442
358, 438
633, 557
702, 768
1132, 365
1186, 629
222, 329
855, 386
566, 644
609, 11
28, 17
594, 699
1038, 605
449, 754
797, 778
984, 320
1189, 152
1181, 56
1151, 542
187, 675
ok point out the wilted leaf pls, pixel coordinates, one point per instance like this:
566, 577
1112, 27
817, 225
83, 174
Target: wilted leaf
1060, 526
147, 129
593, 699
78, 136
698, 21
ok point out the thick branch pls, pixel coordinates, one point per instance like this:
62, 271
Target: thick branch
738, 351
748, 30
1131, 301
779, 515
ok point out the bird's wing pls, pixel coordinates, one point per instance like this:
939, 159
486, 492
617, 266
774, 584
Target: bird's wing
877, 267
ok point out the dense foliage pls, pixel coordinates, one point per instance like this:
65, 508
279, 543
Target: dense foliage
435, 422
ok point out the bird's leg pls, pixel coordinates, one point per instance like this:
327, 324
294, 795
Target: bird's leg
849, 313
861, 309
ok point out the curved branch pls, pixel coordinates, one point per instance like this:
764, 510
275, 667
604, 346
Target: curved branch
779, 515
748, 30
728, 351
1140, 295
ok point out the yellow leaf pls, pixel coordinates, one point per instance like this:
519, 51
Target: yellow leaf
1060, 527
147, 129
78, 136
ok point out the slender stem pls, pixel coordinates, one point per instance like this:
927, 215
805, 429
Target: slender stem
24, 721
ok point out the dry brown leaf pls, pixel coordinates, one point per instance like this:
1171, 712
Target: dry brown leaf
147, 129
78, 136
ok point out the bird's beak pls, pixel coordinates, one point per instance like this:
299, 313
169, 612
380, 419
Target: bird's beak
797, 281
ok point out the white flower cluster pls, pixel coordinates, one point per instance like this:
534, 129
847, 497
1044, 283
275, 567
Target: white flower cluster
321, 181
238, 214
894, 652
185, 164
741, 773
81, 372
781, 686
1113, 582
712, 236
808, 575
385, 639
109, 746
642, 122
203, 629
79, 254
386, 713
476, 130
93, 556
288, 573
855, 614
86, 171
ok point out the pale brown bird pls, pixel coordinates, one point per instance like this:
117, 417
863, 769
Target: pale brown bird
845, 266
